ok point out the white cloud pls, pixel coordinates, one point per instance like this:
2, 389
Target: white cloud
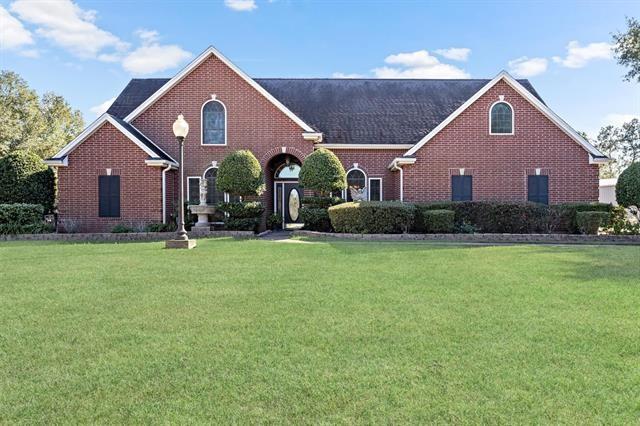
528, 67
69, 26
30, 53
346, 75
147, 36
154, 57
12, 33
619, 119
98, 110
455, 53
419, 64
241, 5
578, 56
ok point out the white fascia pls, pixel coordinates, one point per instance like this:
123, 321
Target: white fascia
315, 137
57, 162
364, 146
400, 161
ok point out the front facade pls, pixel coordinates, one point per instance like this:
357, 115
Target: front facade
408, 140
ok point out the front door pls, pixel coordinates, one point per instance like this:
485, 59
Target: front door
287, 203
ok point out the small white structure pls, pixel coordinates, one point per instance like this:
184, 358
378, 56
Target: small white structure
607, 192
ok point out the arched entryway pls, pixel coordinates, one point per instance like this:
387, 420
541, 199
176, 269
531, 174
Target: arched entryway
285, 191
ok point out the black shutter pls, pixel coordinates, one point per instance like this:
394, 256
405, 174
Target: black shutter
538, 189
461, 188
109, 196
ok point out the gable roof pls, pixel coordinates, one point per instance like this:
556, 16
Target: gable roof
211, 51
351, 111
155, 152
595, 154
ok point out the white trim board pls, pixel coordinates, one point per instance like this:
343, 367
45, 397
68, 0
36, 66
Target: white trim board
93, 127
513, 83
363, 146
211, 51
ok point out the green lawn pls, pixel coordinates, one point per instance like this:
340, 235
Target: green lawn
330, 332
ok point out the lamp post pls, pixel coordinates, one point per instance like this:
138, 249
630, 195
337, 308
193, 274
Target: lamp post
180, 130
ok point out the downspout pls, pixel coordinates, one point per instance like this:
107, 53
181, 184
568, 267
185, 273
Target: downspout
397, 167
164, 193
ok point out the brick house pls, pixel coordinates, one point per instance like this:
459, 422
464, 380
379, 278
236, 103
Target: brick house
408, 140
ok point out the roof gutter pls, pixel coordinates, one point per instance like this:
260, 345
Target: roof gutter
315, 137
396, 165
57, 162
599, 159
157, 162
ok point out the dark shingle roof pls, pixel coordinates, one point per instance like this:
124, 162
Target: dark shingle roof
354, 111
143, 139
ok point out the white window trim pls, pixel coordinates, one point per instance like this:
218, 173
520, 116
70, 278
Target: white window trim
344, 192
513, 116
224, 108
199, 180
369, 188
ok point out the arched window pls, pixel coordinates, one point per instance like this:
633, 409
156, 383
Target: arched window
501, 119
288, 171
214, 123
355, 179
213, 195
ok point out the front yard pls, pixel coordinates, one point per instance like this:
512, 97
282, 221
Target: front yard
334, 332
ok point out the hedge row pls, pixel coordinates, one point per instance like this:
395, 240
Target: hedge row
22, 219
472, 216
242, 216
314, 212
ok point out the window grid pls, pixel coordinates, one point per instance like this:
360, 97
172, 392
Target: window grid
501, 118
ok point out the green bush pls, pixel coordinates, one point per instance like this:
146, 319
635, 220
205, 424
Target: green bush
372, 217
620, 225
322, 171
242, 224
316, 219
563, 217
21, 214
37, 228
590, 222
628, 186
160, 227
274, 221
240, 174
491, 216
24, 178
438, 221
122, 229
321, 202
242, 209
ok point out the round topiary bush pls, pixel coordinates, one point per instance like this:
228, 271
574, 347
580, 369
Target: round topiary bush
628, 186
240, 174
24, 178
323, 172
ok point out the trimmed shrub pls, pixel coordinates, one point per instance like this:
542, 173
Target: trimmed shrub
242, 216
321, 202
316, 219
438, 221
590, 222
121, 229
160, 227
21, 214
372, 217
620, 225
242, 224
239, 173
563, 217
274, 221
322, 171
24, 178
628, 186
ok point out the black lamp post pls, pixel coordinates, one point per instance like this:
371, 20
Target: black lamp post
180, 130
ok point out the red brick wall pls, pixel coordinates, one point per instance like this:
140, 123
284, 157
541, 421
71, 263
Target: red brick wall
499, 164
374, 163
140, 185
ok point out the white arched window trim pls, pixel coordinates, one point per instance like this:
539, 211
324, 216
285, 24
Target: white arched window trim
224, 108
226, 194
366, 181
513, 118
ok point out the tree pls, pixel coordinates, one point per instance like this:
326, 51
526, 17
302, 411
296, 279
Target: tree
628, 186
240, 174
323, 172
627, 49
41, 125
622, 144
24, 178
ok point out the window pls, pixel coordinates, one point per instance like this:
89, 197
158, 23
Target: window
538, 189
288, 171
461, 188
193, 190
375, 189
214, 123
109, 196
355, 179
213, 195
501, 119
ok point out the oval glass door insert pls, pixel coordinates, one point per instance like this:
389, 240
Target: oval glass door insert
294, 204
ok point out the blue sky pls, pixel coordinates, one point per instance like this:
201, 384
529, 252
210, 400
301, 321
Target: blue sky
88, 50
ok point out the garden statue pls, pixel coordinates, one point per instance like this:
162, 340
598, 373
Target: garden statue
203, 192
203, 210
632, 214
358, 194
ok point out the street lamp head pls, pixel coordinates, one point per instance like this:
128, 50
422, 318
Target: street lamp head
180, 127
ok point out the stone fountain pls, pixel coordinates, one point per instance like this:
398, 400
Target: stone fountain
203, 210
